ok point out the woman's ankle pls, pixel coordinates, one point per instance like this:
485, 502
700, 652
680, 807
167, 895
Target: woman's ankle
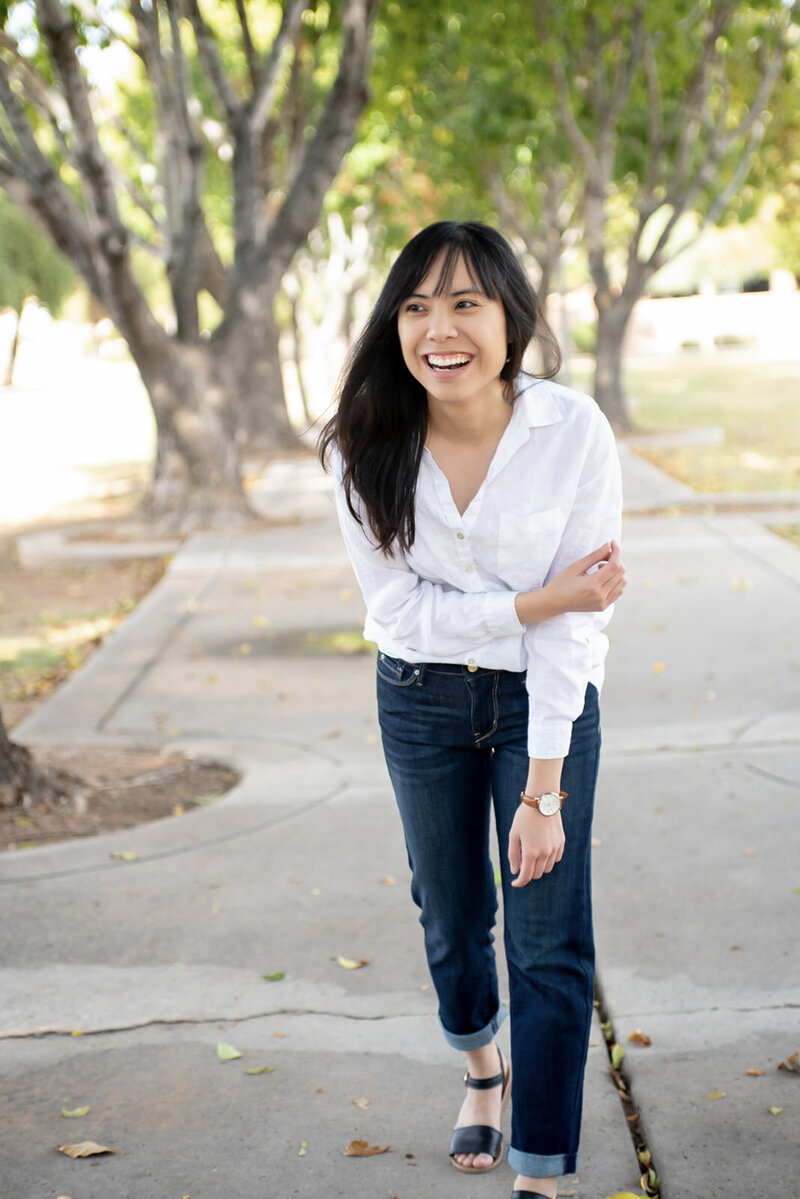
541, 1186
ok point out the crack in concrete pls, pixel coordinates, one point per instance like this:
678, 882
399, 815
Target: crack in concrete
198, 1021
712, 747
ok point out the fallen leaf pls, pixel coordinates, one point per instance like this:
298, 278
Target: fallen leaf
124, 855
315, 891
261, 1070
227, 1053
363, 1103
754, 1073
362, 1149
659, 667
76, 1032
774, 1111
617, 1054
280, 1035
260, 622
274, 978
792, 1063
624, 1195
84, 1149
640, 1038
76, 1111
303, 1150
352, 964
596, 842
389, 880
716, 1095
178, 809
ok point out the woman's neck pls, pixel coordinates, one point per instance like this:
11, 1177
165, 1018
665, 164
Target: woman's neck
469, 422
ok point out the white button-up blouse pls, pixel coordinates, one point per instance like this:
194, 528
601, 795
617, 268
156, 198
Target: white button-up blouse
551, 495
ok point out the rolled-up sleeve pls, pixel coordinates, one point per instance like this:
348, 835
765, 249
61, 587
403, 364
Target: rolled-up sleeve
564, 654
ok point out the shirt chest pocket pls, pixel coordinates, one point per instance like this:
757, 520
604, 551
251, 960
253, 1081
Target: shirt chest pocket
526, 545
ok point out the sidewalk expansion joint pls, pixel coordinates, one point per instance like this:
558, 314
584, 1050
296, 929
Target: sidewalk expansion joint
178, 850
711, 747
650, 1180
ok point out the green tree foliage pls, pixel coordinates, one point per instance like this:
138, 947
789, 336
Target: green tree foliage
30, 266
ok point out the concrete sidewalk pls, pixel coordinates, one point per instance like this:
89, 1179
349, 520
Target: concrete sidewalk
155, 961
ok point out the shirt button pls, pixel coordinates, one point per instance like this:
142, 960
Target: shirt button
460, 536
471, 667
469, 569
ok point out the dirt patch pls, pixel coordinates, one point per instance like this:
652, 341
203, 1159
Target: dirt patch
52, 617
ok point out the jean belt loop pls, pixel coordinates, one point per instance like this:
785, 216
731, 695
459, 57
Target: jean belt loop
420, 669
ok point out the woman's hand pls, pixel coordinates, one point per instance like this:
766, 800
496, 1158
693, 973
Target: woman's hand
535, 844
589, 585
579, 588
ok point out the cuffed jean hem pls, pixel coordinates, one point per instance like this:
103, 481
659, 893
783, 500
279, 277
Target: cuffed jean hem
535, 1165
476, 1040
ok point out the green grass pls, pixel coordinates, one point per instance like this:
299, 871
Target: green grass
756, 404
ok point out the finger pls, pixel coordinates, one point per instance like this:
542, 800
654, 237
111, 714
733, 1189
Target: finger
601, 554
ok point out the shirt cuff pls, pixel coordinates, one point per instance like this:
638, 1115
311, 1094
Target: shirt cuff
500, 614
549, 739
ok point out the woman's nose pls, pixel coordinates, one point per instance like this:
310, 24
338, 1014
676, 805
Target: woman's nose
440, 326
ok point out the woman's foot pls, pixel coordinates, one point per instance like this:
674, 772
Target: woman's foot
545, 1187
482, 1108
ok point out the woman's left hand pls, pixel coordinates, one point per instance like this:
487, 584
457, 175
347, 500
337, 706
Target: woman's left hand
535, 844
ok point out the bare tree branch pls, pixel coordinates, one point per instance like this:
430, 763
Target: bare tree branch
265, 95
212, 65
251, 55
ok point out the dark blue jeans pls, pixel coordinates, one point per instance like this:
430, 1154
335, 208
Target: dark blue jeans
455, 742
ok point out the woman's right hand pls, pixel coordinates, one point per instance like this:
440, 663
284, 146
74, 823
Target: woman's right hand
580, 588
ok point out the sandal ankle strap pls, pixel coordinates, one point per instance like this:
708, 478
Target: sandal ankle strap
487, 1084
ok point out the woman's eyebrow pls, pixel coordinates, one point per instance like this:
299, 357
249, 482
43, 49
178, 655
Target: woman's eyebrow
465, 291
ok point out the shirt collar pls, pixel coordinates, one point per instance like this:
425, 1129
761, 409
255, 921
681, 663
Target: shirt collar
538, 400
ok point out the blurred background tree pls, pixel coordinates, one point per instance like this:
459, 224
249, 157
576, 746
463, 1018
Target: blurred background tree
30, 268
202, 142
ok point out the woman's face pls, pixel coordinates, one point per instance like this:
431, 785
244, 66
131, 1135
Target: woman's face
454, 344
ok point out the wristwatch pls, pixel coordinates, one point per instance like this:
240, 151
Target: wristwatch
548, 804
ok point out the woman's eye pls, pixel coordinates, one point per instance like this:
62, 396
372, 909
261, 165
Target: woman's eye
465, 304
413, 306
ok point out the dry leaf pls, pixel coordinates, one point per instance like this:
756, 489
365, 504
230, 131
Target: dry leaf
792, 1063
362, 1149
362, 1103
227, 1053
261, 1070
716, 1095
390, 880
124, 855
640, 1038
755, 1073
659, 667
774, 1111
84, 1149
76, 1111
352, 964
617, 1054
303, 1150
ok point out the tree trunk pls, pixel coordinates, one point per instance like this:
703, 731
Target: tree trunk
259, 408
23, 783
8, 378
613, 314
197, 474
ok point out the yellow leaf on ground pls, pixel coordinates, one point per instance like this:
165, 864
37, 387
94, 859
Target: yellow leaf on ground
84, 1149
76, 1111
362, 1149
352, 963
262, 1070
363, 1103
774, 1111
659, 667
754, 1073
303, 1150
640, 1038
716, 1095
389, 880
124, 855
227, 1053
624, 1195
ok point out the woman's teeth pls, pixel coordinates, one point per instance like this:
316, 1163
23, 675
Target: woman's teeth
447, 361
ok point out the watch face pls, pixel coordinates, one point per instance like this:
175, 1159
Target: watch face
550, 804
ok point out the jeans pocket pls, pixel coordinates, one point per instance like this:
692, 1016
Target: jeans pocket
396, 671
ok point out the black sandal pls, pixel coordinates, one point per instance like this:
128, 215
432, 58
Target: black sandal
528, 1195
481, 1138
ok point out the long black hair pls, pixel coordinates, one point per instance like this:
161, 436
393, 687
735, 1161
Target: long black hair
380, 424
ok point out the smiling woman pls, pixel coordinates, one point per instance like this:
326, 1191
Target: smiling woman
479, 505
